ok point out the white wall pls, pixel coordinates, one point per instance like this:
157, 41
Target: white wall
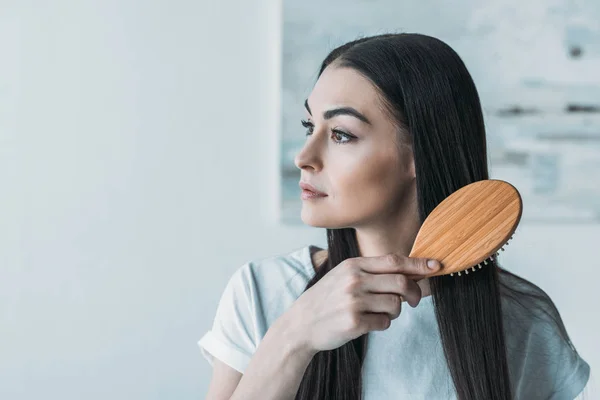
137, 172
138, 163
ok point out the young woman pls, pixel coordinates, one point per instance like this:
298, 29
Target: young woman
394, 126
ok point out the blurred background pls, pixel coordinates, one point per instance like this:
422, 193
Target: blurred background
145, 147
537, 71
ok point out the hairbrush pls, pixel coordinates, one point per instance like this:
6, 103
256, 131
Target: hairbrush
468, 228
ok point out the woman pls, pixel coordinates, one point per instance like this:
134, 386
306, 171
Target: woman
394, 126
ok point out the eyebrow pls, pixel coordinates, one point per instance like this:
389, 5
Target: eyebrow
340, 111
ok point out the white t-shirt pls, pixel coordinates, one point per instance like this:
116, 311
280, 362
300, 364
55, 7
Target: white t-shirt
404, 361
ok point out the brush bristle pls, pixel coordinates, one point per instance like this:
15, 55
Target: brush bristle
484, 262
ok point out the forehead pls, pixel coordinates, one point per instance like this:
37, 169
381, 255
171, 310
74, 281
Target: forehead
344, 86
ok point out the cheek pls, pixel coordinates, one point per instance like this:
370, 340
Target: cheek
367, 181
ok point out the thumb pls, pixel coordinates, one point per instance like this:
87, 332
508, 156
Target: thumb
424, 266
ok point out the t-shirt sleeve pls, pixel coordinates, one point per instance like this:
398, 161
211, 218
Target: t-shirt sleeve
233, 336
572, 374
567, 371
584, 395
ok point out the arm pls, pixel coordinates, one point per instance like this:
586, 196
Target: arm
248, 364
224, 381
277, 367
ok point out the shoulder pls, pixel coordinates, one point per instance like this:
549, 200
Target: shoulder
256, 294
269, 285
276, 272
540, 352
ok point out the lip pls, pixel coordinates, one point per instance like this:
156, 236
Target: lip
310, 188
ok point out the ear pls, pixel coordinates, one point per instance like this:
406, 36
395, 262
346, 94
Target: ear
409, 163
411, 168
407, 159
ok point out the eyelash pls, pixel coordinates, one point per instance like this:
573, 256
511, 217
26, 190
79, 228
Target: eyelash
310, 125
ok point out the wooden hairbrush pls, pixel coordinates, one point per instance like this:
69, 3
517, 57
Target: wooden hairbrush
466, 230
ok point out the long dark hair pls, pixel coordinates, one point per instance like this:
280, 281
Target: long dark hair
429, 92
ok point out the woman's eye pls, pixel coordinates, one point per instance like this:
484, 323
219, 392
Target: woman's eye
309, 127
337, 135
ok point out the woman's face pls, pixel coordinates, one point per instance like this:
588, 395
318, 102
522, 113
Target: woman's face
352, 155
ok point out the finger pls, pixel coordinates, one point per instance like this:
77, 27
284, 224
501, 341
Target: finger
398, 263
393, 283
390, 304
374, 322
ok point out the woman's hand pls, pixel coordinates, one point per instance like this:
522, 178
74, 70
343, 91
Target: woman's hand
359, 295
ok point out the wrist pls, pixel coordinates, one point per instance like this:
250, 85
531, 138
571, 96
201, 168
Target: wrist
292, 338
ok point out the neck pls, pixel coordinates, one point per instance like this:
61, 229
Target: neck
395, 233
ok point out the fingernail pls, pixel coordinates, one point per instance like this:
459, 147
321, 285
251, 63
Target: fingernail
433, 264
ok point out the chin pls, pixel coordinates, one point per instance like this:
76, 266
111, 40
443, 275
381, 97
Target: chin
321, 220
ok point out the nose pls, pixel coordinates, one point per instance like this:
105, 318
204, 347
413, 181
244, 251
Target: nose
309, 156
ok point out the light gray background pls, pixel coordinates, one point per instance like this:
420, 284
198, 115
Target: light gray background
138, 170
